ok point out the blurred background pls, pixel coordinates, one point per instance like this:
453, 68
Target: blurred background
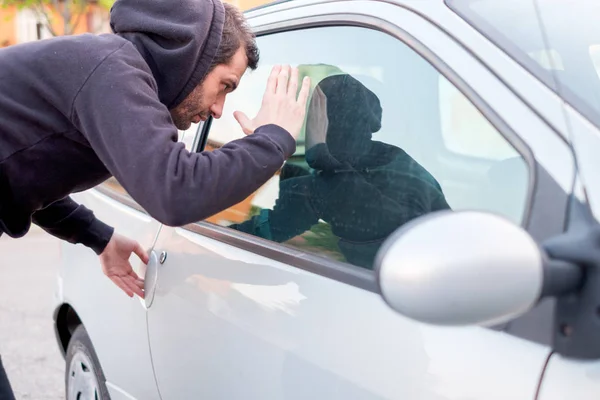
28, 20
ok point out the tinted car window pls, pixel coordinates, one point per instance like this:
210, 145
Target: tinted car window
387, 139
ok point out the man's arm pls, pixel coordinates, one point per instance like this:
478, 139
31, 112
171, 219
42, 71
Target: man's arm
291, 215
74, 223
132, 133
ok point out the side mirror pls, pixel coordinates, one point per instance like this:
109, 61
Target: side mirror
466, 267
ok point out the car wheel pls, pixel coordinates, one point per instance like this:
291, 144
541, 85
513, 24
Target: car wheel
84, 379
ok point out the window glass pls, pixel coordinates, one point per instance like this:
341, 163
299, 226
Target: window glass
465, 131
189, 136
549, 59
595, 54
386, 139
550, 38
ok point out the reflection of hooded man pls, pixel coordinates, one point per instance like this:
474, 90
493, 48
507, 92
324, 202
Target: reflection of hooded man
362, 188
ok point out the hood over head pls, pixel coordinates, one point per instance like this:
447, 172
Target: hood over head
354, 113
177, 38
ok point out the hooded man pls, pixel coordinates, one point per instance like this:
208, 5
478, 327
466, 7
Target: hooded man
364, 189
77, 110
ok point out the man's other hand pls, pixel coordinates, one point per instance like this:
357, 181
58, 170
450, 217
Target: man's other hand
115, 264
281, 105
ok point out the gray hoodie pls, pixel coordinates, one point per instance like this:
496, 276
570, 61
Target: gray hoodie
76, 110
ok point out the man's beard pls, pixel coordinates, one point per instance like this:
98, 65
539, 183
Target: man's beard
181, 122
183, 114
182, 118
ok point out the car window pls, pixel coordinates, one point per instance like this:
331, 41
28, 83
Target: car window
551, 38
465, 131
387, 139
549, 59
188, 136
595, 54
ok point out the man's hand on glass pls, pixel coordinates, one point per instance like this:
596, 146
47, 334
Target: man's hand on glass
280, 105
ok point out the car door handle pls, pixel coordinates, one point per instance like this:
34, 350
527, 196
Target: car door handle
151, 278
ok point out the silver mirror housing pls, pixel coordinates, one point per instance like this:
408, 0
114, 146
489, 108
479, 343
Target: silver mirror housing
460, 268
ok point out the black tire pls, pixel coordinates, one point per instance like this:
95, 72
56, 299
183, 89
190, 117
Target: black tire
80, 348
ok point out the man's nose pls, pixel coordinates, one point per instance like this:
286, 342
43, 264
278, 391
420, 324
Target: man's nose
217, 109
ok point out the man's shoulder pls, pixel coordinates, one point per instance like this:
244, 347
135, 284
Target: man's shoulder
88, 56
60, 67
113, 52
90, 50
69, 56
85, 41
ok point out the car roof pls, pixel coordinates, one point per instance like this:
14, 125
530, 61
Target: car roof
276, 2
266, 5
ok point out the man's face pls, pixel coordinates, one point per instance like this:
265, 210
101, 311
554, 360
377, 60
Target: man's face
208, 97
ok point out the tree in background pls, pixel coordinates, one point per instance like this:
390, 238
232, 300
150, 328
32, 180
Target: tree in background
54, 13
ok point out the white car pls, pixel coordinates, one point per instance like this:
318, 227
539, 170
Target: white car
314, 287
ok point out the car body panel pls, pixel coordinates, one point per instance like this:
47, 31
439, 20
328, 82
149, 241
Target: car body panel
115, 323
226, 323
570, 379
586, 141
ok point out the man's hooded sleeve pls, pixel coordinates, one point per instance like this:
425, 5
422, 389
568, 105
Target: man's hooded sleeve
67, 220
132, 133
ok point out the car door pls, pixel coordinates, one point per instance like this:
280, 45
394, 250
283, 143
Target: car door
250, 304
115, 323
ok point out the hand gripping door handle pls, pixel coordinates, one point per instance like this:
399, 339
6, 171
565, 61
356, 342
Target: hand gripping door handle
151, 279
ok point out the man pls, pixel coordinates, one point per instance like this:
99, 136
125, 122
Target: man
77, 110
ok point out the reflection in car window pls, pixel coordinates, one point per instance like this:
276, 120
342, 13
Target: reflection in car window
386, 139
464, 130
361, 188
548, 59
595, 54
551, 38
